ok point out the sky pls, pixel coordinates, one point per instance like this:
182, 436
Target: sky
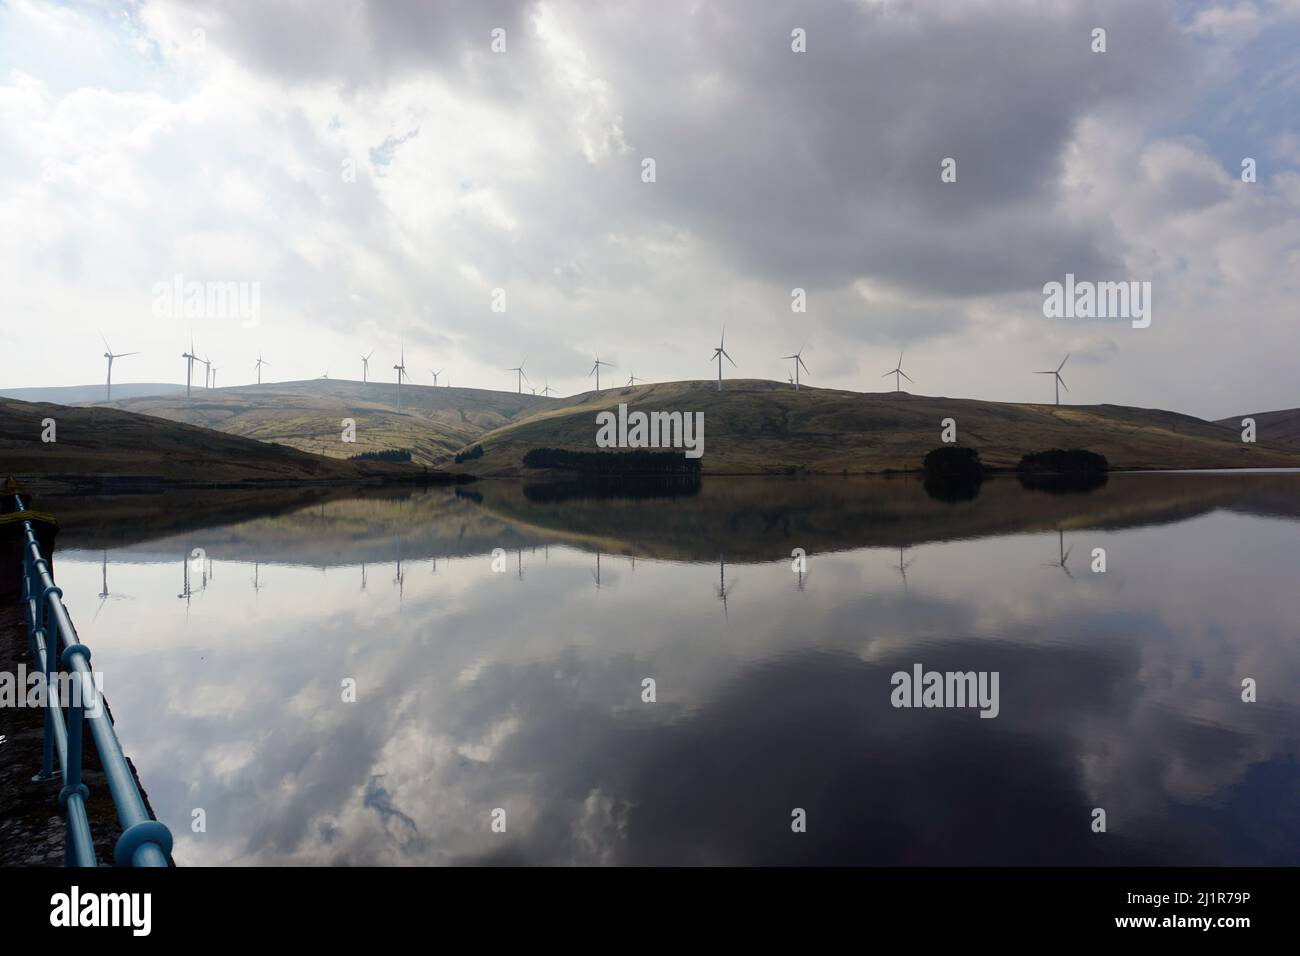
383, 179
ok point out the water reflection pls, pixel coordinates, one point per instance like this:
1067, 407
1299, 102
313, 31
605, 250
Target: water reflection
521, 688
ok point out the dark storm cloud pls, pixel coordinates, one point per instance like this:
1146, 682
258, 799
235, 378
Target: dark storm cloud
803, 169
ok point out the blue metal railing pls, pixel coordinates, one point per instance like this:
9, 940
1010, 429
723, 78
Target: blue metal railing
144, 841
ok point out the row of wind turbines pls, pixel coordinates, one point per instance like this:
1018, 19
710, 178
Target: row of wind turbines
719, 353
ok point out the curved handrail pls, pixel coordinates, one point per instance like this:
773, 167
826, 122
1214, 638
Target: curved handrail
144, 841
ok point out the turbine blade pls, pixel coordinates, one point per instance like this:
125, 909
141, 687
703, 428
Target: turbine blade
801, 362
1062, 381
906, 376
1063, 361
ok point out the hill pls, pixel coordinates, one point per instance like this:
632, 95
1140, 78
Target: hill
98, 446
79, 394
1279, 426
763, 427
433, 423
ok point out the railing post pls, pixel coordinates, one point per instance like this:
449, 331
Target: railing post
74, 793
48, 633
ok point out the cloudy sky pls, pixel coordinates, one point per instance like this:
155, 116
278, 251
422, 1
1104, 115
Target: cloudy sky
378, 171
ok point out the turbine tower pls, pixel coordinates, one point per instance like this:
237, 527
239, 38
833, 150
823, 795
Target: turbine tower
1063, 555
546, 389
520, 377
435, 375
1060, 382
365, 366
110, 355
207, 370
214, 376
258, 367
724, 590
896, 371
719, 353
632, 380
400, 369
798, 361
190, 359
595, 370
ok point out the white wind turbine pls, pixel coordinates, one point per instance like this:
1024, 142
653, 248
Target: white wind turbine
721, 352
190, 359
257, 366
110, 355
400, 369
896, 371
546, 389
798, 361
435, 375
207, 370
520, 378
1060, 382
365, 366
595, 370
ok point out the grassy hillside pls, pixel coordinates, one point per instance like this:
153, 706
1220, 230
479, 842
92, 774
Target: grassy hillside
434, 423
97, 443
1280, 426
84, 394
762, 427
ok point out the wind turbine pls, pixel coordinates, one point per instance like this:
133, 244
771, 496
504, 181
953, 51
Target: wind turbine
902, 567
104, 594
897, 371
595, 370
1060, 382
722, 588
400, 369
435, 376
190, 359
719, 353
1064, 554
207, 370
214, 376
258, 367
798, 361
546, 389
110, 355
520, 378
365, 366
632, 380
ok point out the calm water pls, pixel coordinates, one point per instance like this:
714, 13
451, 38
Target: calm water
521, 688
